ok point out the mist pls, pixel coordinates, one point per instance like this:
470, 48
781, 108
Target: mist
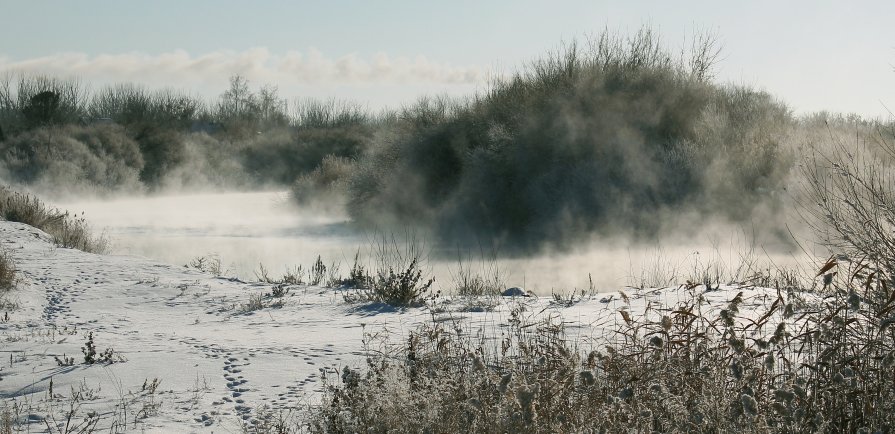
621, 233
615, 137
248, 230
606, 163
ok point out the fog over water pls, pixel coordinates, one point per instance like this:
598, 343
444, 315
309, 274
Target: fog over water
248, 229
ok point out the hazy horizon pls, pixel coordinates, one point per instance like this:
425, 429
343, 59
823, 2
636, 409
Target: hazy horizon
813, 55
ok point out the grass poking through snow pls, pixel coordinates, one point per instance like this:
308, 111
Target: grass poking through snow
67, 230
7, 271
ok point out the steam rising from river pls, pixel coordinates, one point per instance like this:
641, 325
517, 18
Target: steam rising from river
248, 229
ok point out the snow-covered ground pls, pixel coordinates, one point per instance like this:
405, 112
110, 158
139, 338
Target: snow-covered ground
188, 357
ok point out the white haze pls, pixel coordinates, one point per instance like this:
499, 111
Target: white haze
248, 229
380, 79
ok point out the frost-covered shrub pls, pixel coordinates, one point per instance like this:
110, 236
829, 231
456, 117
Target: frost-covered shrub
593, 140
206, 162
325, 185
163, 150
73, 158
282, 156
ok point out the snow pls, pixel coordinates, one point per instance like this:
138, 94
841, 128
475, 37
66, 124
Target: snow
217, 366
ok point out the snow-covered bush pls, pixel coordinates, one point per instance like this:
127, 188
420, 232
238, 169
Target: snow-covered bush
74, 159
599, 139
325, 185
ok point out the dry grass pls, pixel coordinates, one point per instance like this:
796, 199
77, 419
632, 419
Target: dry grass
7, 271
398, 278
6, 421
8, 282
262, 301
67, 230
488, 281
851, 195
210, 264
691, 367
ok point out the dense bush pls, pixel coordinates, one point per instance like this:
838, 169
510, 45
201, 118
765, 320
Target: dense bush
74, 159
324, 186
163, 150
282, 156
136, 107
53, 130
582, 142
28, 102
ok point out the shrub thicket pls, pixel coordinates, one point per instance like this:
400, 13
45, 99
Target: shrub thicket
54, 134
580, 142
611, 137
283, 156
74, 158
325, 185
584, 141
28, 102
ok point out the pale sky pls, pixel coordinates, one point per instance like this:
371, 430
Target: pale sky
814, 55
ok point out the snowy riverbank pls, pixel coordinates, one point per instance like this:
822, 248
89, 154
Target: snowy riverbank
189, 356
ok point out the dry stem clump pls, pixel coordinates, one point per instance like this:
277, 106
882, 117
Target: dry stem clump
691, 367
67, 230
398, 278
7, 271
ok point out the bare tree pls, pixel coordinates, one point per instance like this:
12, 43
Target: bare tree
238, 100
705, 53
272, 109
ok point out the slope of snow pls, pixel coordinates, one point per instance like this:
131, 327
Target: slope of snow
189, 358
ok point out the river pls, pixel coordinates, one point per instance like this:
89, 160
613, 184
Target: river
248, 229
